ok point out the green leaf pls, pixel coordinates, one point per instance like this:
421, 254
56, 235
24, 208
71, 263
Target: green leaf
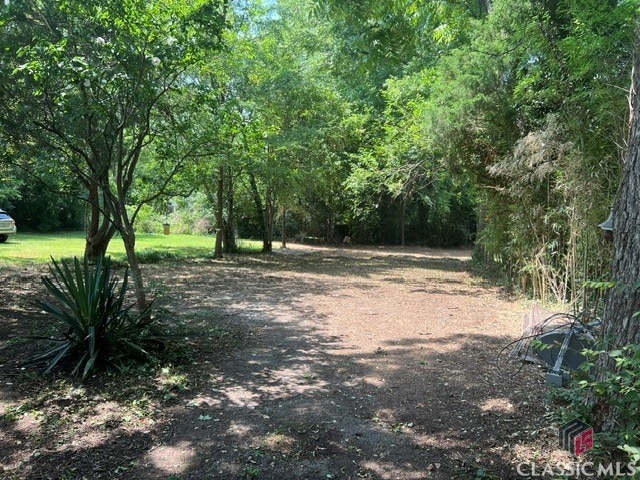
90, 301
62, 351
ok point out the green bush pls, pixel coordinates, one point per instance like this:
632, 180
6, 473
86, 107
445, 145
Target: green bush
149, 221
152, 255
100, 330
618, 388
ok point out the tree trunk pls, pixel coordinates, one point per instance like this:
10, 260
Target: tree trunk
267, 244
284, 227
620, 325
231, 246
219, 214
100, 230
403, 219
262, 217
116, 207
129, 240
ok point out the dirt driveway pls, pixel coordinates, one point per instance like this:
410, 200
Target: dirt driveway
352, 363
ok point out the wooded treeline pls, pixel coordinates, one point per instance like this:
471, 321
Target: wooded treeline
402, 122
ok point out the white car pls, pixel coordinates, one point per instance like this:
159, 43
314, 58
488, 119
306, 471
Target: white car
7, 226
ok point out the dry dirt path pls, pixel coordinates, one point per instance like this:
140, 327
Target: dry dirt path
355, 363
365, 363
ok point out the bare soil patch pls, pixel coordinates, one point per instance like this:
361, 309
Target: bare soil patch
309, 363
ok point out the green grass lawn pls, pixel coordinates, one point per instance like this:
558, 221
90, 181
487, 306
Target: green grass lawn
40, 247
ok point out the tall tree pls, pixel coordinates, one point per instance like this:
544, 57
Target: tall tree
90, 88
621, 321
292, 110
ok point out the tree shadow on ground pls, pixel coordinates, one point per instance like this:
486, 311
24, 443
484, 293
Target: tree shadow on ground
294, 410
299, 399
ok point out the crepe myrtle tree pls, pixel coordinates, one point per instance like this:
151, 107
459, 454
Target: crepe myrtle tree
91, 81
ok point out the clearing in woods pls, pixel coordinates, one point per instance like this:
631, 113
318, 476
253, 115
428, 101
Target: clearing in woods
309, 363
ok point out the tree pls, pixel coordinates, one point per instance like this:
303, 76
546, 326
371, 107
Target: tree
291, 110
90, 88
529, 113
621, 322
9, 185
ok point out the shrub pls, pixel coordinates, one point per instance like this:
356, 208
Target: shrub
99, 329
152, 255
619, 388
148, 220
203, 226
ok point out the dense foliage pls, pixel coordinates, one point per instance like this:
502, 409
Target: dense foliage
500, 123
524, 106
618, 389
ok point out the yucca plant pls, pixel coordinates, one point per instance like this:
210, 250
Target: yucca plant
90, 303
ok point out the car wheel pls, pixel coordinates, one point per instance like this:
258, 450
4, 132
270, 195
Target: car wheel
3, 238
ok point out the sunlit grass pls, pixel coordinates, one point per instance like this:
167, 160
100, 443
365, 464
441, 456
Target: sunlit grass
39, 248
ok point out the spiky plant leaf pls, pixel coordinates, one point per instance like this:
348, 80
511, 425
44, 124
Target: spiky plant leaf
89, 301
